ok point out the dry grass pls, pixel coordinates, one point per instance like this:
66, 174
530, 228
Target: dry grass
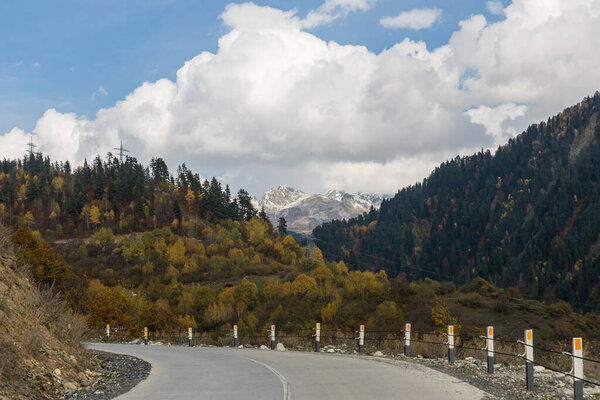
37, 333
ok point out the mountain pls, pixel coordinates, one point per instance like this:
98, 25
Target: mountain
526, 216
304, 211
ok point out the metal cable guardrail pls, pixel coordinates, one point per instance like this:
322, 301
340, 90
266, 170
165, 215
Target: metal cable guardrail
378, 336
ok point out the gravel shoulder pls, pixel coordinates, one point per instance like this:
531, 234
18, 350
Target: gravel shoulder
508, 381
109, 376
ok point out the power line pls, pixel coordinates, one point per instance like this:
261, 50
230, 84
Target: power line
121, 150
31, 146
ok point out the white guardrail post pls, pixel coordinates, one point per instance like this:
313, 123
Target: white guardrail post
190, 337
490, 349
451, 344
272, 337
146, 335
578, 368
407, 339
529, 358
107, 333
235, 336
361, 339
317, 337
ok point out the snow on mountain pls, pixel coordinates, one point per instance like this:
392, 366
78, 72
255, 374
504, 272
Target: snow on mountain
280, 198
304, 211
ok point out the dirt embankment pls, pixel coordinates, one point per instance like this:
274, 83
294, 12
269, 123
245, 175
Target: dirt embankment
41, 355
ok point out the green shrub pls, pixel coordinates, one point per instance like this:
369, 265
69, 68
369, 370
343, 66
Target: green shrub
447, 288
472, 300
479, 285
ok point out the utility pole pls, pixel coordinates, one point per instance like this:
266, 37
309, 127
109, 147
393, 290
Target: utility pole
31, 146
121, 150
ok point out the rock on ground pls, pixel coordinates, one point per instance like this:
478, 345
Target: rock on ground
113, 375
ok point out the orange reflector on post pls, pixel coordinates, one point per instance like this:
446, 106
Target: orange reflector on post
490, 331
577, 343
408, 327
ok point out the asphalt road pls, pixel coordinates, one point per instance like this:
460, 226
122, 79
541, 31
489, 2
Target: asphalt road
182, 373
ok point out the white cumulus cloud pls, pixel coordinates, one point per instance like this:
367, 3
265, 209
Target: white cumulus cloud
13, 143
275, 104
419, 18
495, 7
331, 10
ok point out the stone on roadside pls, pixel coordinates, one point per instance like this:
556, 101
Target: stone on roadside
263, 347
378, 354
330, 350
70, 386
538, 368
241, 346
280, 347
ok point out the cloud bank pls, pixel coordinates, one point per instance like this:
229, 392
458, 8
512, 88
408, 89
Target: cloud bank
276, 104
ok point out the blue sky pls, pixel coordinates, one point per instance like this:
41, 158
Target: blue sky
82, 45
357, 95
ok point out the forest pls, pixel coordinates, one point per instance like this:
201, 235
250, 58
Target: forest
122, 195
527, 216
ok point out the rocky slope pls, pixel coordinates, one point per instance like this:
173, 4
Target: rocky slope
304, 211
40, 352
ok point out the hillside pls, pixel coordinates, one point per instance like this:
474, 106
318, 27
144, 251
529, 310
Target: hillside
242, 273
41, 355
61, 202
304, 211
526, 216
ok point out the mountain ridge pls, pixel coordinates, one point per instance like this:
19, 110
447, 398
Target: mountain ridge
527, 216
304, 211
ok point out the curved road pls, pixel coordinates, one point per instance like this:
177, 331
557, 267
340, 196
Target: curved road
182, 373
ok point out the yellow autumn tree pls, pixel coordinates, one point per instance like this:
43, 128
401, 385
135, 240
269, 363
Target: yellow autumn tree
176, 253
95, 215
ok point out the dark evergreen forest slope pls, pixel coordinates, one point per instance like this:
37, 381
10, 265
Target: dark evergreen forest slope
527, 216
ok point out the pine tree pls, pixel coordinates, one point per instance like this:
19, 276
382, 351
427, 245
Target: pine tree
282, 226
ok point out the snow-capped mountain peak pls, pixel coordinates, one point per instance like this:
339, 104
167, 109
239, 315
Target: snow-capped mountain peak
304, 211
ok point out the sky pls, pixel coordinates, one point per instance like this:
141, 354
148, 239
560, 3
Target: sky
357, 95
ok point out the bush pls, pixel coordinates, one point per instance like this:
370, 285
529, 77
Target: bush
447, 288
502, 305
563, 330
560, 308
472, 300
479, 285
513, 293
